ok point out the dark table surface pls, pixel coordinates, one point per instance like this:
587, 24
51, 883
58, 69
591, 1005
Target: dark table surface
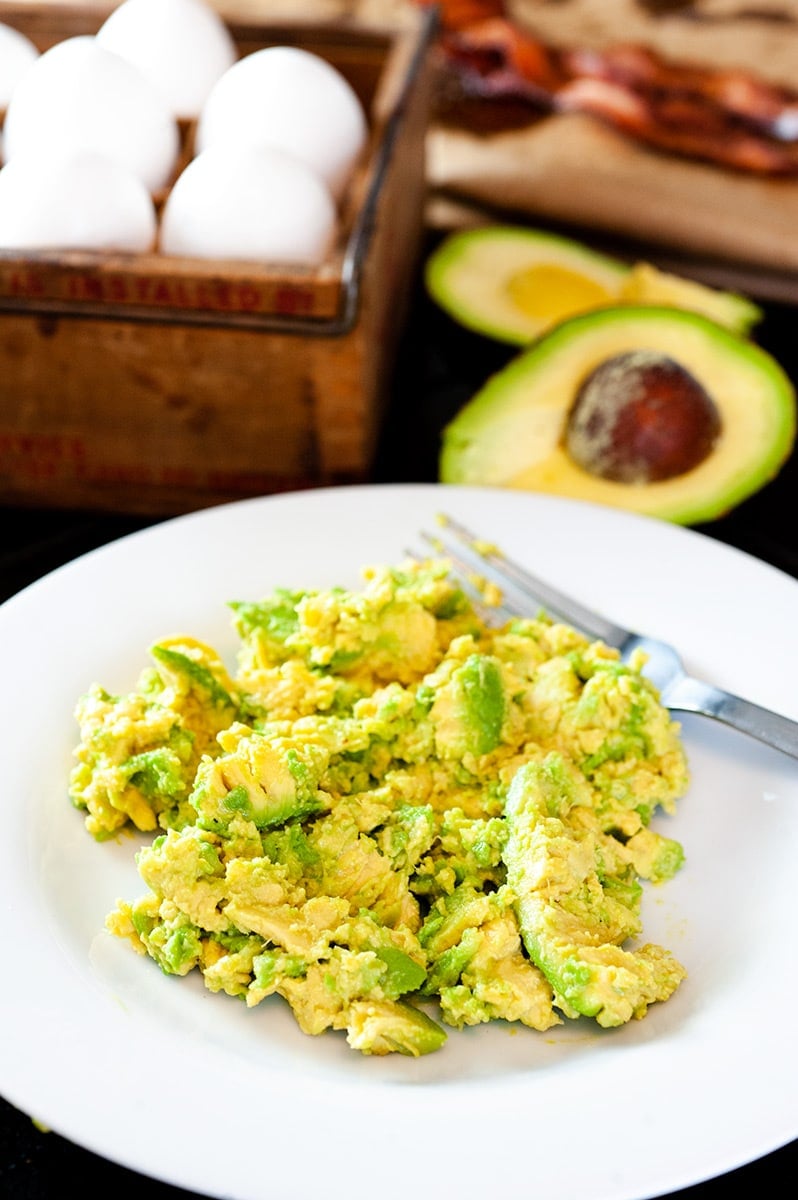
439, 367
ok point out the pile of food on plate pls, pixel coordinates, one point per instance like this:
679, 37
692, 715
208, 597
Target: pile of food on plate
395, 812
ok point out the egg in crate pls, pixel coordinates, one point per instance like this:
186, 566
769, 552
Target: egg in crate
74, 201
290, 99
17, 53
249, 202
80, 96
182, 46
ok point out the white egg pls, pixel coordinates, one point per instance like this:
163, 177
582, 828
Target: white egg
182, 46
249, 202
291, 99
17, 53
80, 96
82, 201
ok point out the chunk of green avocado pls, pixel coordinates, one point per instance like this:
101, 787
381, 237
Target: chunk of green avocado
512, 283
267, 781
557, 876
512, 432
382, 1027
469, 710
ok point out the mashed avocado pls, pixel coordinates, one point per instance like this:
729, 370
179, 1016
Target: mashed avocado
391, 808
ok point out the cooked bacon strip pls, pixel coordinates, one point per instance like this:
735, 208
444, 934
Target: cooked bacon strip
725, 117
506, 58
764, 106
678, 126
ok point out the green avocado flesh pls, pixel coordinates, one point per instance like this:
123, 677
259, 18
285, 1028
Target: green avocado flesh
512, 283
510, 434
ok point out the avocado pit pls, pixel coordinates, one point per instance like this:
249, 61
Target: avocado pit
640, 417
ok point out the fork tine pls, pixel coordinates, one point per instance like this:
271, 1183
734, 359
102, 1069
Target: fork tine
487, 560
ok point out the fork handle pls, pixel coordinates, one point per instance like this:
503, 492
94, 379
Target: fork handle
690, 695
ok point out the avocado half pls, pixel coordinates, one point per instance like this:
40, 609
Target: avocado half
511, 283
511, 433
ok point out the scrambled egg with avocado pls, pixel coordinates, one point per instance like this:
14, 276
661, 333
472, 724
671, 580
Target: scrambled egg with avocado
392, 807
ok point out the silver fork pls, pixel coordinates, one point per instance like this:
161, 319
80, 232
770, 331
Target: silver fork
679, 692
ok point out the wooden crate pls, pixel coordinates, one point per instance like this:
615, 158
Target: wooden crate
156, 385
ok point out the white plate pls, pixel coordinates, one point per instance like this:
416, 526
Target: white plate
160, 1075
